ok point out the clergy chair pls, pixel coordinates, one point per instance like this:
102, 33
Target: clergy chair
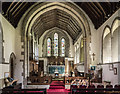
82, 87
117, 86
90, 89
91, 86
101, 87
73, 86
109, 86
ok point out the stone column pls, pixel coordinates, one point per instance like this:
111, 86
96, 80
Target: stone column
85, 55
119, 53
66, 66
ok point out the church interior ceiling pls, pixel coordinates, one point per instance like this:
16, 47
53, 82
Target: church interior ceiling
98, 12
56, 18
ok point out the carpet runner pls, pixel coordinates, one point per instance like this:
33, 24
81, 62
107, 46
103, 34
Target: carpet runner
57, 87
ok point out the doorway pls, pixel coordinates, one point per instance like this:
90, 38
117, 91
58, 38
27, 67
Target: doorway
12, 64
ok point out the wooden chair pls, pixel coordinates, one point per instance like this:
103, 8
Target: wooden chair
81, 86
117, 86
109, 86
101, 88
91, 87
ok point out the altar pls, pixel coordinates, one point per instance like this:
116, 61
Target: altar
56, 70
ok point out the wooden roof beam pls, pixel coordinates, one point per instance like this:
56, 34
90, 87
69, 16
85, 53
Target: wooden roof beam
101, 8
10, 6
21, 9
15, 6
93, 10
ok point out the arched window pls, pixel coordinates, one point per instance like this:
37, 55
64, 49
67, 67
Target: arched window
63, 46
48, 47
55, 44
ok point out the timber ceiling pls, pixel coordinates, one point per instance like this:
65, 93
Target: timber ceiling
98, 12
56, 18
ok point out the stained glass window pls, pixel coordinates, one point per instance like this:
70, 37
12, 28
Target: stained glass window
55, 44
63, 46
49, 47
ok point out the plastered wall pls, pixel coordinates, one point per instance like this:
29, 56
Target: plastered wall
11, 44
109, 75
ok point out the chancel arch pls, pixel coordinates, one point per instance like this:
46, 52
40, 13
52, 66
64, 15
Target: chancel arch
107, 45
57, 15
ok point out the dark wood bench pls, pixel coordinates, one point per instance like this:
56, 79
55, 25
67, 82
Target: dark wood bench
24, 91
95, 91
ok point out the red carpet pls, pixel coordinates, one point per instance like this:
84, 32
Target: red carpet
58, 91
57, 87
57, 83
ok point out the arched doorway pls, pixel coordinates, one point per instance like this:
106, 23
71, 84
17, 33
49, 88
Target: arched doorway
12, 64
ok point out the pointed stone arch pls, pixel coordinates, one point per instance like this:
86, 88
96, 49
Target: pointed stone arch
106, 45
115, 33
39, 9
115, 24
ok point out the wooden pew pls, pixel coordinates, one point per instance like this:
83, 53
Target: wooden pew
24, 91
95, 91
40, 80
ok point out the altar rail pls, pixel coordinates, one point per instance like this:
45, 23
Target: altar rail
24, 91
35, 80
